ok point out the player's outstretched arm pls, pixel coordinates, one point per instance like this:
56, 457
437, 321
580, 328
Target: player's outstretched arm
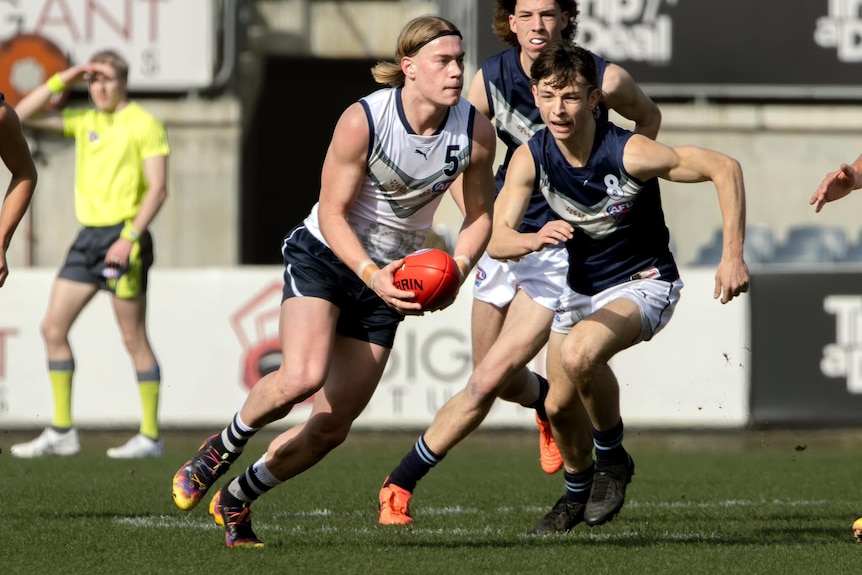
644, 159
731, 277
838, 184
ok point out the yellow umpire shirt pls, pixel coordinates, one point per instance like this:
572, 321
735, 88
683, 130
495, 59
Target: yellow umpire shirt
110, 150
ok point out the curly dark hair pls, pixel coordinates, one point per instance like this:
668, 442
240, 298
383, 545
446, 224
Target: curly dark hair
505, 8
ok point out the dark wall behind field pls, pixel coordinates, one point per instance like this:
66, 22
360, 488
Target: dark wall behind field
285, 143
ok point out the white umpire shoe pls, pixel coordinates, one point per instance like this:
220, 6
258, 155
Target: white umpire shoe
138, 447
50, 442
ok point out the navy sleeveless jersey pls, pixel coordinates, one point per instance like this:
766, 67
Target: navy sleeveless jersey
517, 118
620, 231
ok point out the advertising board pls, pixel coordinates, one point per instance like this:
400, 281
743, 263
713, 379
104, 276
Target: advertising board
723, 48
169, 44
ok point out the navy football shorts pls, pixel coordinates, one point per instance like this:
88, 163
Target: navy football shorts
312, 270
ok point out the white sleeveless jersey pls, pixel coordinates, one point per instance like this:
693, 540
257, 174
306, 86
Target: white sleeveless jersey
406, 177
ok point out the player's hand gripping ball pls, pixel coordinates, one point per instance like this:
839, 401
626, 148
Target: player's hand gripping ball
432, 275
857, 530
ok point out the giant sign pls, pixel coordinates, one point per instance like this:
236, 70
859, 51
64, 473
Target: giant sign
168, 43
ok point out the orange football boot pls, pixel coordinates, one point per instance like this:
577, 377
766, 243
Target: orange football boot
549, 453
394, 505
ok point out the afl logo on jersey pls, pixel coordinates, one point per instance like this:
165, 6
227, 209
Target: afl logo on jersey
441, 187
617, 210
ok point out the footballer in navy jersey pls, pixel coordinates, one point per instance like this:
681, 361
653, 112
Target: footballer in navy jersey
623, 284
619, 228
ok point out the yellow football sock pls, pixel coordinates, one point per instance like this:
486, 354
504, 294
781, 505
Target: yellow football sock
149, 391
61, 382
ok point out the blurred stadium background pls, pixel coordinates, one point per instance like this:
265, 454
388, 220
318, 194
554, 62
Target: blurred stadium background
250, 92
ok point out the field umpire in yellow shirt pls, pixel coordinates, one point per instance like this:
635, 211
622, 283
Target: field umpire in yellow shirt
120, 185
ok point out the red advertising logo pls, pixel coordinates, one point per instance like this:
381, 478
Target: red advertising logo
256, 327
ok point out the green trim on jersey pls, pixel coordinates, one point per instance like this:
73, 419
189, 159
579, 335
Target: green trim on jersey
110, 150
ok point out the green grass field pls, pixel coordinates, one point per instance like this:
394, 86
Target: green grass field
751, 502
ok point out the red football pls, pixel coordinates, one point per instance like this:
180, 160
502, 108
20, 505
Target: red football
432, 275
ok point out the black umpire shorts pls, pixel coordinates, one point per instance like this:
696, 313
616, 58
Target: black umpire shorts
85, 262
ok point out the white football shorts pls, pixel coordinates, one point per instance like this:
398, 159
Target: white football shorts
542, 276
657, 300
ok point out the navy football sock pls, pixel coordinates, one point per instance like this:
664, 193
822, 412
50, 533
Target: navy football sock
415, 465
609, 445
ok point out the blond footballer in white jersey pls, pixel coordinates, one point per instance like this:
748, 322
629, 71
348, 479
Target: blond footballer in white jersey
407, 176
391, 157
